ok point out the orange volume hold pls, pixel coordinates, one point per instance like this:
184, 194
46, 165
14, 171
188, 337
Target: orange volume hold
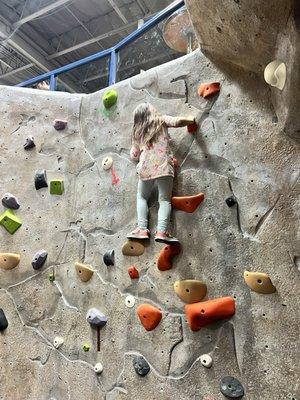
149, 316
164, 261
187, 203
205, 313
133, 272
208, 89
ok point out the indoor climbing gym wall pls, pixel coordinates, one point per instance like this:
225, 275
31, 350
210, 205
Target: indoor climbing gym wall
87, 314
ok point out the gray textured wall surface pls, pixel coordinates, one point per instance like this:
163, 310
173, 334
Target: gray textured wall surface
240, 149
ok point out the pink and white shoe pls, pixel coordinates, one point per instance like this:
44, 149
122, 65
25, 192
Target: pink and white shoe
139, 233
165, 237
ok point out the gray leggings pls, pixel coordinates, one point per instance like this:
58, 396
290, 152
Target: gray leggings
165, 186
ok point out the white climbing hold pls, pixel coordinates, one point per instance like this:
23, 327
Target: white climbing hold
206, 360
107, 163
58, 341
129, 301
275, 74
98, 368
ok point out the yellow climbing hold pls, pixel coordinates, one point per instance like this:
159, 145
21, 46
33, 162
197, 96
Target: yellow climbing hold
84, 271
190, 290
259, 282
9, 260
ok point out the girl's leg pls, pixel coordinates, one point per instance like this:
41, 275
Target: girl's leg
165, 186
143, 193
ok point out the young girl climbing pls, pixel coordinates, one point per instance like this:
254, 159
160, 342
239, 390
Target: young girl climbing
151, 147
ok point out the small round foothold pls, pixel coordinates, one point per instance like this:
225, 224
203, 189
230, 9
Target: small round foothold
58, 341
133, 272
129, 301
206, 360
98, 368
109, 258
109, 98
231, 388
107, 163
86, 347
140, 365
231, 201
51, 277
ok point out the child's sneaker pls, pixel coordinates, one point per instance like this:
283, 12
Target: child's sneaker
165, 237
139, 233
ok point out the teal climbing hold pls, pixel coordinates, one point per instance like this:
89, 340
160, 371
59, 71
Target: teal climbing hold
10, 221
109, 98
57, 186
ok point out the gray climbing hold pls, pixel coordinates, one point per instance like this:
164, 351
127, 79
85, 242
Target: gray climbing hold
39, 259
10, 201
3, 320
95, 317
29, 143
40, 179
231, 201
231, 388
60, 125
109, 258
140, 365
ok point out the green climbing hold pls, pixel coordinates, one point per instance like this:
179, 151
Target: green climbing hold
51, 276
109, 98
10, 221
86, 347
56, 186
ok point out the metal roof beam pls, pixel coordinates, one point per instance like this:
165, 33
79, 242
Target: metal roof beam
118, 11
40, 12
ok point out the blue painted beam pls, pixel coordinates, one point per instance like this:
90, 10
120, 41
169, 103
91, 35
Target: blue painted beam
112, 52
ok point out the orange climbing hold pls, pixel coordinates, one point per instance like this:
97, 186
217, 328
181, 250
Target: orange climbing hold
187, 203
208, 89
205, 313
133, 272
149, 316
166, 255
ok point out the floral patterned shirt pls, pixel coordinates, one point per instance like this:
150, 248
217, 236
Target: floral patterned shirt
156, 159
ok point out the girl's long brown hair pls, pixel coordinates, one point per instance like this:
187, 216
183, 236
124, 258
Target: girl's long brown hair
147, 123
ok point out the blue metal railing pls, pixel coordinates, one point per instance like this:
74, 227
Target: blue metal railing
111, 52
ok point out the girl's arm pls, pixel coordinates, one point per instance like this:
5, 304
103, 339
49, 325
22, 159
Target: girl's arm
135, 152
177, 122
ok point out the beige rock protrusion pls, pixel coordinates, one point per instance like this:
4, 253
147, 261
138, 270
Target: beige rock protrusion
85, 272
259, 282
133, 248
190, 290
9, 260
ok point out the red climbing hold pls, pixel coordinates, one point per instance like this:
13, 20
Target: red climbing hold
192, 128
114, 179
205, 313
149, 316
175, 162
133, 272
208, 89
187, 203
166, 255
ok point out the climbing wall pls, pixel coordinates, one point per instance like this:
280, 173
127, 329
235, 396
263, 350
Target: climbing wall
49, 349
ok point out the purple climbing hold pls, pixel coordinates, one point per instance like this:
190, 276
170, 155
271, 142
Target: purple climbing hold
10, 201
39, 259
60, 125
95, 317
29, 143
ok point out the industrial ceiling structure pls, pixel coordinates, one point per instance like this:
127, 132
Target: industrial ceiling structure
37, 36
